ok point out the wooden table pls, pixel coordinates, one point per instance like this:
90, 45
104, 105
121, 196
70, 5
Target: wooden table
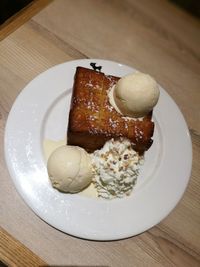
152, 36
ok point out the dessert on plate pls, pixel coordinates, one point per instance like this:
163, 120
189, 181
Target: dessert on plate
110, 127
93, 120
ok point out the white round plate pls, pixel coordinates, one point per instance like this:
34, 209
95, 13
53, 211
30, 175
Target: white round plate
41, 112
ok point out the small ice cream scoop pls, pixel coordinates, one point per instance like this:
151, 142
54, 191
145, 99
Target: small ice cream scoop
135, 95
70, 169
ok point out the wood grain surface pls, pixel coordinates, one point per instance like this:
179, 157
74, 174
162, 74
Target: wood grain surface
152, 36
13, 253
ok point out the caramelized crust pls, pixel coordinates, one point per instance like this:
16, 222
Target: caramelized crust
93, 121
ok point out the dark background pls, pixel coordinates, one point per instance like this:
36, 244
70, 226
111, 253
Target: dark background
192, 6
10, 7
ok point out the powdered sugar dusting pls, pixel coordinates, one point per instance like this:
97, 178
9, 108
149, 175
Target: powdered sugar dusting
138, 134
89, 84
91, 105
111, 80
113, 123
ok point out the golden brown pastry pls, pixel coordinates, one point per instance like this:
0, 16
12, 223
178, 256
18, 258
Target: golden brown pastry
92, 119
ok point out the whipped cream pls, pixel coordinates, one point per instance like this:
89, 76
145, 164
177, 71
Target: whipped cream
116, 167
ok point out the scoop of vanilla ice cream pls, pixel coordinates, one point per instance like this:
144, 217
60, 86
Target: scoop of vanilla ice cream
136, 94
70, 169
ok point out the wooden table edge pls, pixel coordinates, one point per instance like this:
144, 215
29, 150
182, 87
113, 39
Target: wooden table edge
14, 22
14, 253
